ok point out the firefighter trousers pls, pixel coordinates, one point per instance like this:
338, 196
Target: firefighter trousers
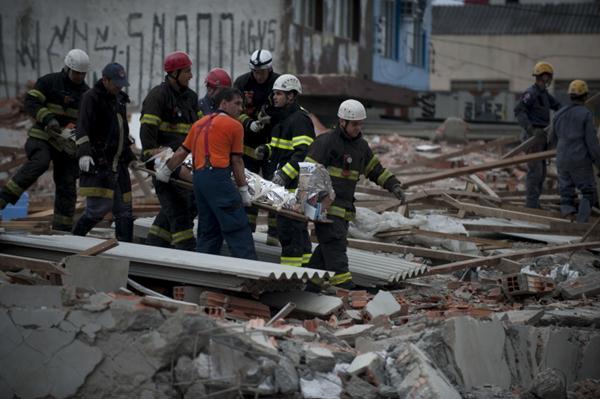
39, 155
296, 247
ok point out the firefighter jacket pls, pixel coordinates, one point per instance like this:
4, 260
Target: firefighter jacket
103, 134
346, 159
54, 96
167, 115
255, 96
290, 139
575, 138
206, 106
533, 108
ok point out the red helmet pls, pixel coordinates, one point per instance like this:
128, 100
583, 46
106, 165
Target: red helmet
177, 60
218, 77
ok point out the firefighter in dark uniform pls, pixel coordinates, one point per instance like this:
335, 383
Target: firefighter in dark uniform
54, 104
256, 87
577, 151
533, 114
168, 112
347, 156
293, 132
104, 153
215, 81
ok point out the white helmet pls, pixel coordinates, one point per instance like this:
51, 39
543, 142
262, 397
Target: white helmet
77, 60
261, 59
287, 82
352, 110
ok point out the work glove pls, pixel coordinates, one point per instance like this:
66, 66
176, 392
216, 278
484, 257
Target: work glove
85, 163
261, 152
246, 199
280, 179
399, 193
163, 174
256, 126
53, 125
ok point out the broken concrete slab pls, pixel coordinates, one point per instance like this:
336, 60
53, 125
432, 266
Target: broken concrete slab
576, 317
364, 362
320, 359
37, 318
588, 285
383, 303
306, 302
414, 375
25, 296
322, 386
526, 316
548, 384
358, 388
351, 333
96, 273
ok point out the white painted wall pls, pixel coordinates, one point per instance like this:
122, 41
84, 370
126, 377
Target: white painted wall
512, 57
36, 34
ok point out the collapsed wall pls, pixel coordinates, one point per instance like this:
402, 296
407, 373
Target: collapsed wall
58, 344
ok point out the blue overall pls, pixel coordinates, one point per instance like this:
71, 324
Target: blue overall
221, 214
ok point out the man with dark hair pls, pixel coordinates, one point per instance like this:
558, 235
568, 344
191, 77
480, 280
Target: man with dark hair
577, 151
104, 153
54, 104
216, 144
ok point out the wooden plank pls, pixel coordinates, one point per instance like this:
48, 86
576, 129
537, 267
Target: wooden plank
484, 187
467, 170
469, 188
494, 260
406, 249
439, 234
102, 247
523, 147
15, 263
502, 141
502, 213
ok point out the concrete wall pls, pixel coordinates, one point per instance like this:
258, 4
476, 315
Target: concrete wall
397, 71
504, 57
36, 34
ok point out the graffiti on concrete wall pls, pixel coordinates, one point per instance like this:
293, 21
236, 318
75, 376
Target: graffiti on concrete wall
138, 40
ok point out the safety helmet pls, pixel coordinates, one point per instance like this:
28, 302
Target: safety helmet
541, 68
77, 60
218, 77
287, 82
176, 61
578, 88
352, 110
261, 59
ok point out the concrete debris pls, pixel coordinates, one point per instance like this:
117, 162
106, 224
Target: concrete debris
548, 384
363, 362
94, 273
351, 333
383, 303
588, 285
320, 359
306, 302
527, 284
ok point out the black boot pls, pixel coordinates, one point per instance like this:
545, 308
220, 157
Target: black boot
124, 229
83, 226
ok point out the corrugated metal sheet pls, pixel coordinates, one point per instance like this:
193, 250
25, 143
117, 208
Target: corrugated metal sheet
173, 265
368, 269
578, 18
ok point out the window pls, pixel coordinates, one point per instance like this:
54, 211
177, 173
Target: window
412, 20
309, 13
387, 30
343, 18
479, 86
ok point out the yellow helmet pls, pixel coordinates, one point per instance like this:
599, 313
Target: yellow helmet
578, 88
542, 67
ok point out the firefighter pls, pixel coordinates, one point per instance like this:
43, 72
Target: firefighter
291, 135
168, 112
215, 81
54, 104
256, 86
347, 156
533, 114
104, 153
215, 142
577, 151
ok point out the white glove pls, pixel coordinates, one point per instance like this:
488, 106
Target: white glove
246, 199
85, 162
256, 126
163, 174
